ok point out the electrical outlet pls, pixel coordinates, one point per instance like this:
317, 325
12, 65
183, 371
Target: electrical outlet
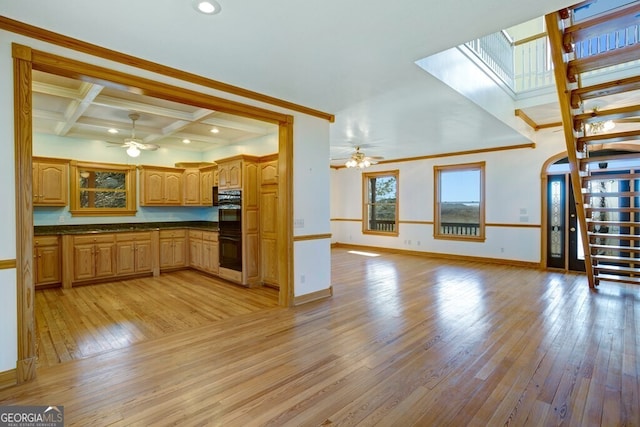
61, 219
302, 279
298, 223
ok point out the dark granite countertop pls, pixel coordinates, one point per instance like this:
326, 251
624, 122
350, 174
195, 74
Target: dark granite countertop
41, 230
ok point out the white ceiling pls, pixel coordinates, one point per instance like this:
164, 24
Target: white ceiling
354, 59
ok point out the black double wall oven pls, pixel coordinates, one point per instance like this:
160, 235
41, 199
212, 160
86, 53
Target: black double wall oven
230, 226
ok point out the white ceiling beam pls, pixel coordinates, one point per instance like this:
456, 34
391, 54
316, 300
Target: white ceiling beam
177, 126
245, 127
140, 107
59, 91
47, 115
76, 109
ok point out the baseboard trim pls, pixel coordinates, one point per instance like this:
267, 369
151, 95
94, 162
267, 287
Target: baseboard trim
8, 378
314, 296
452, 257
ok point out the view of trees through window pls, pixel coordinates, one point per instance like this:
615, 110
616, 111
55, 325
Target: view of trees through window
381, 202
103, 189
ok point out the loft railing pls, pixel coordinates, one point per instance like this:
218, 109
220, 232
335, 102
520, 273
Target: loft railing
533, 67
496, 50
526, 64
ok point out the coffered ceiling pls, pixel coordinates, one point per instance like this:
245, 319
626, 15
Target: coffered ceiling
76, 109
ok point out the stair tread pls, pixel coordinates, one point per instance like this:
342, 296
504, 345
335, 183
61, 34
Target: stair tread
611, 114
615, 247
609, 194
621, 279
614, 236
610, 176
618, 268
606, 222
613, 258
603, 60
621, 209
610, 137
604, 23
599, 90
600, 159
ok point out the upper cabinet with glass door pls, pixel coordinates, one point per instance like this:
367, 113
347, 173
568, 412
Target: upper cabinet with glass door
102, 189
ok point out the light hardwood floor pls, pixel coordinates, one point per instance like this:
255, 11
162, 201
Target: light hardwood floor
404, 341
88, 320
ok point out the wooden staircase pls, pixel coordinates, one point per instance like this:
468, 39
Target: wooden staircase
605, 165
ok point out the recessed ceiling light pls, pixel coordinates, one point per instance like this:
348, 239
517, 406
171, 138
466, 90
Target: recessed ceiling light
215, 130
208, 7
186, 141
113, 131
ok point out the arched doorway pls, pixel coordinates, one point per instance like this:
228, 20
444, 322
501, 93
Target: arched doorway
562, 246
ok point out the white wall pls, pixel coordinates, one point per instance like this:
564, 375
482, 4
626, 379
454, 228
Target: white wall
314, 180
311, 205
513, 198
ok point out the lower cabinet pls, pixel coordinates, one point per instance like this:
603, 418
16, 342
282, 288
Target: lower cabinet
210, 252
78, 258
46, 261
203, 251
94, 256
173, 249
134, 253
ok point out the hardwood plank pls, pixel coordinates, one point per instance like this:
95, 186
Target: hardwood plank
405, 340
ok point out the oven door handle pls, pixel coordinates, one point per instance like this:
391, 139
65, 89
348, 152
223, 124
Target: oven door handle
233, 239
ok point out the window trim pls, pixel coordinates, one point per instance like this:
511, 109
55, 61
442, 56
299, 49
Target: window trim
437, 171
365, 202
130, 189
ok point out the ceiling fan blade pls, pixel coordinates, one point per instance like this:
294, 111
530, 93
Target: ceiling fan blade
150, 147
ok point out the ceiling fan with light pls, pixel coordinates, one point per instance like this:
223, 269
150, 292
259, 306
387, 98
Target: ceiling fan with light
359, 160
134, 145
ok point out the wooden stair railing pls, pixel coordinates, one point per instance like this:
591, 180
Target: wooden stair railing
606, 187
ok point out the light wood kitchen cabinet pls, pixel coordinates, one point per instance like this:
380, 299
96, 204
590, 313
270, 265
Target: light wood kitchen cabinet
192, 194
268, 235
50, 182
195, 249
269, 172
206, 186
173, 249
269, 220
134, 253
210, 252
161, 186
94, 256
46, 261
203, 251
230, 174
